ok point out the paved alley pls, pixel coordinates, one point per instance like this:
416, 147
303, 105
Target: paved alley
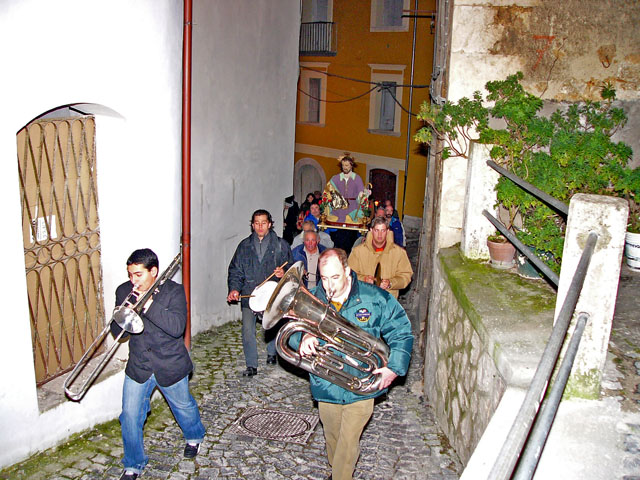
401, 441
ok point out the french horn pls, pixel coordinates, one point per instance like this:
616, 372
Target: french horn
346, 356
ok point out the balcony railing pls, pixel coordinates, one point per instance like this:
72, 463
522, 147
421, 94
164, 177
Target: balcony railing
318, 38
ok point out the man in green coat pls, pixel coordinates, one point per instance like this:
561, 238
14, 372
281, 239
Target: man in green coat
344, 413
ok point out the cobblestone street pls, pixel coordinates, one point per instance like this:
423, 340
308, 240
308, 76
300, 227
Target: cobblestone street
400, 442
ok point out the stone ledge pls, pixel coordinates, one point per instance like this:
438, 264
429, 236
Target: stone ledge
512, 316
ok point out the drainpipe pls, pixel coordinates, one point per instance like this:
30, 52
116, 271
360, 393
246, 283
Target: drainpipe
408, 150
185, 239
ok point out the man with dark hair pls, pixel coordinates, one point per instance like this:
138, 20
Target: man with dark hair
379, 260
157, 358
344, 413
257, 257
395, 225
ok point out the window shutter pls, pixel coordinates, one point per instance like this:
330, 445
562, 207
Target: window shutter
387, 106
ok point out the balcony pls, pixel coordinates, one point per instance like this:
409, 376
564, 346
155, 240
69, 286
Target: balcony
318, 38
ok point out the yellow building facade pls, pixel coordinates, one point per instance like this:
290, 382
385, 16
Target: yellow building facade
361, 73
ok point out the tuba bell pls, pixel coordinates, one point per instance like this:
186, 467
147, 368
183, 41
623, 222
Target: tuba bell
347, 355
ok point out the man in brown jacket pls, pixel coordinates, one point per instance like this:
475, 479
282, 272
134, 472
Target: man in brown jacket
379, 260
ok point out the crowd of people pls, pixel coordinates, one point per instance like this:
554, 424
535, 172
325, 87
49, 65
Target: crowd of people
359, 281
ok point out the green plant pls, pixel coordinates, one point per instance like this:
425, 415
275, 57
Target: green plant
569, 151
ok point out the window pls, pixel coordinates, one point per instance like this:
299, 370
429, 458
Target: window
386, 16
317, 10
312, 90
385, 101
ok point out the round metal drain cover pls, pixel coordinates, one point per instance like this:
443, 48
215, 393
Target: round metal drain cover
283, 425
275, 424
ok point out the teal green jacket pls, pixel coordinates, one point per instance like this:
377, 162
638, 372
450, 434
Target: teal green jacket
378, 313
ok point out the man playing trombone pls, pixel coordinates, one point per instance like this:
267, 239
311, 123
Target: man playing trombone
157, 358
345, 413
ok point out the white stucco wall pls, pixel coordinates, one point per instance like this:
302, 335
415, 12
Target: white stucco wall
244, 88
122, 61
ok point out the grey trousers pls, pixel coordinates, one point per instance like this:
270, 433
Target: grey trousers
249, 343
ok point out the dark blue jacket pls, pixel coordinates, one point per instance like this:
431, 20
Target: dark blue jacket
398, 231
246, 272
300, 255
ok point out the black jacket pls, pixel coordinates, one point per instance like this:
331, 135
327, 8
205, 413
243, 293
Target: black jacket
160, 348
246, 272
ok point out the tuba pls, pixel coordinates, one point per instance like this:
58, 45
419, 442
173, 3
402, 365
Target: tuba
345, 344
127, 316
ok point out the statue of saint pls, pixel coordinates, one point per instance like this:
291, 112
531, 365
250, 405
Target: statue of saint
345, 195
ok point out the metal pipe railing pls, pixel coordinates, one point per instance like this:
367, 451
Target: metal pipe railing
510, 451
540, 431
535, 191
526, 251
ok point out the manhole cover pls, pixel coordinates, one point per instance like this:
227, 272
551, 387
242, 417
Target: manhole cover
275, 425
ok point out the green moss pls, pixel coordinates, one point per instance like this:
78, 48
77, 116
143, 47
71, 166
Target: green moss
585, 385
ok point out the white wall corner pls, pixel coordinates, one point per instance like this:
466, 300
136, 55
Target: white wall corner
479, 195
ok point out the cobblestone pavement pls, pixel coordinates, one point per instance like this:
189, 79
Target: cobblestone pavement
621, 378
401, 442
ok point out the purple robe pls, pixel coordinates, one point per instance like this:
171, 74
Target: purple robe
350, 188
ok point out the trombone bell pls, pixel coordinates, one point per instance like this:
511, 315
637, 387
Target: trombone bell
127, 317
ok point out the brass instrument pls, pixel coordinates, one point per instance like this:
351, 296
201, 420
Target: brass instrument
345, 344
127, 316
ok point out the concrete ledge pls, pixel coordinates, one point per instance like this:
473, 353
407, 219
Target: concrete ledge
512, 316
487, 330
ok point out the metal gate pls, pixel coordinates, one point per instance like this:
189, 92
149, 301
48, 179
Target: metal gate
60, 228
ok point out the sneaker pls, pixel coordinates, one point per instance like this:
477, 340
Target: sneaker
250, 372
271, 359
129, 475
191, 450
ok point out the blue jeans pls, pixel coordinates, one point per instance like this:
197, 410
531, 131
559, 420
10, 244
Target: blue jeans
136, 405
249, 343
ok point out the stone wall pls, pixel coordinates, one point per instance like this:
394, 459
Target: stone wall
461, 379
486, 331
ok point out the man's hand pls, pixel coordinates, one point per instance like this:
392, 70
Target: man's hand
369, 279
387, 376
233, 296
308, 345
279, 272
385, 284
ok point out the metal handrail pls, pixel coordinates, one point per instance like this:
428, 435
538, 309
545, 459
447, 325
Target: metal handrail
526, 251
544, 197
533, 190
540, 431
513, 444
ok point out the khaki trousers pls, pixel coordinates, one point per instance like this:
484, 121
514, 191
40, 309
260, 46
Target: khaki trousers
343, 426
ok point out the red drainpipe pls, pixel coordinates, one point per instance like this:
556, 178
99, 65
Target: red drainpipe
186, 165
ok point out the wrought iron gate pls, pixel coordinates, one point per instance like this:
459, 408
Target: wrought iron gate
61, 232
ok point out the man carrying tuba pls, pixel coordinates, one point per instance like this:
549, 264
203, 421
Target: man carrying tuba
344, 413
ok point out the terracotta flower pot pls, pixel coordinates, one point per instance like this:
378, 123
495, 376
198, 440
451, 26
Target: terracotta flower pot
502, 253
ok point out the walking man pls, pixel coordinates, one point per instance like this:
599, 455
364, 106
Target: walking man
157, 358
380, 261
256, 258
343, 413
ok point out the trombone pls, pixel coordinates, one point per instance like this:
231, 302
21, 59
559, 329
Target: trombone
127, 316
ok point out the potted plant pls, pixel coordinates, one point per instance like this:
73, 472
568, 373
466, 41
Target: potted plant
570, 151
501, 251
629, 189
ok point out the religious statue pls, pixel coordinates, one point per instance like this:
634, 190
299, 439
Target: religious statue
345, 199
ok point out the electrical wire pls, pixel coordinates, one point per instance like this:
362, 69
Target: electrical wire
359, 80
